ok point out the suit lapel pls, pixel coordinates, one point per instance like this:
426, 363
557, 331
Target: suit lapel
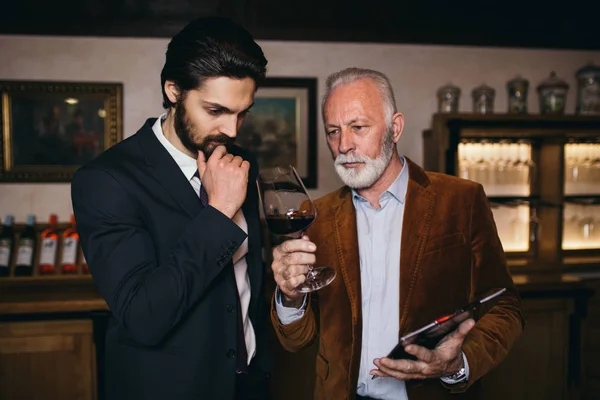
346, 238
166, 171
254, 256
418, 210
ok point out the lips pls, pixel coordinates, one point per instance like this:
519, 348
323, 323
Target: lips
352, 164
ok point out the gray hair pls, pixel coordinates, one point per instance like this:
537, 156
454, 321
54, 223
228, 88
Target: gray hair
350, 75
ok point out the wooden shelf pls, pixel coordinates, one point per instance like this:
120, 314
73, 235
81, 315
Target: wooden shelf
530, 119
49, 294
56, 279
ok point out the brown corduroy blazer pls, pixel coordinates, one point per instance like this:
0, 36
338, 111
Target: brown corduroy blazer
450, 255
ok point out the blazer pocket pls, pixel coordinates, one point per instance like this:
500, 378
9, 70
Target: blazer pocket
322, 368
442, 242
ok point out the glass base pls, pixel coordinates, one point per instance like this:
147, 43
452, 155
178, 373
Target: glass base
316, 279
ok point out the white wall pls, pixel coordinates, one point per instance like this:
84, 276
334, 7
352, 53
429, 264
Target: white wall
416, 73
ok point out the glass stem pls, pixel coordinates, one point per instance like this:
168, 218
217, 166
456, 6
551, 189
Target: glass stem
311, 274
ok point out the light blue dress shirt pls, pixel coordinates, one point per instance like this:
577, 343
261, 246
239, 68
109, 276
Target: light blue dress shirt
379, 238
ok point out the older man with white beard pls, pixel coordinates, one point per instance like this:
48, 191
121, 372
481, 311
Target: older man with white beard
408, 246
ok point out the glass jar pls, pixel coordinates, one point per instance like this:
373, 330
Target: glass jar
553, 95
448, 97
517, 95
588, 90
483, 99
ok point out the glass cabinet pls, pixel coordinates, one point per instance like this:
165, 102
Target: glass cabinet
541, 175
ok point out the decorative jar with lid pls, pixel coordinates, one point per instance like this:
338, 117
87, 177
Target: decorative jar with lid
517, 95
553, 95
483, 99
588, 90
448, 97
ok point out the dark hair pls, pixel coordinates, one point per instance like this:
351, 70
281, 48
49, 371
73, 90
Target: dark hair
211, 47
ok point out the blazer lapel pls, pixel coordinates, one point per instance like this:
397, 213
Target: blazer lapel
418, 210
346, 238
254, 256
166, 171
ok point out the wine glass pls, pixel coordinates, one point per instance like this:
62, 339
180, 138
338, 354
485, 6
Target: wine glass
289, 211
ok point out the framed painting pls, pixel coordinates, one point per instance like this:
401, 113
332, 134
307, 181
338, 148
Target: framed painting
50, 129
281, 128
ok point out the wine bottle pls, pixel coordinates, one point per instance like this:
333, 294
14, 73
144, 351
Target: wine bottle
70, 248
26, 249
49, 246
7, 239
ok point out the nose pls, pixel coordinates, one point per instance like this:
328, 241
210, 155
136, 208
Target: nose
230, 126
346, 144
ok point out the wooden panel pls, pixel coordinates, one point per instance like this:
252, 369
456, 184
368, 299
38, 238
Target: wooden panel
37, 344
47, 360
591, 351
536, 367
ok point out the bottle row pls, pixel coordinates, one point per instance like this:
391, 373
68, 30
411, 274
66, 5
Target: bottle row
33, 251
506, 168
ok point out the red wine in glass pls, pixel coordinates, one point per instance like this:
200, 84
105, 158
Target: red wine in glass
289, 211
287, 225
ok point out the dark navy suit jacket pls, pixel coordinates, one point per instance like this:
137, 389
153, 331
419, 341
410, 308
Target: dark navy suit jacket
162, 262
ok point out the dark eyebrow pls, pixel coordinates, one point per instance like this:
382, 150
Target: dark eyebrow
223, 108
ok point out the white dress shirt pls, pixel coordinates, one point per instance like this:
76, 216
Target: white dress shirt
379, 238
189, 167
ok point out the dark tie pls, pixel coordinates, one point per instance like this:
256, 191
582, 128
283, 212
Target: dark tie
203, 195
242, 352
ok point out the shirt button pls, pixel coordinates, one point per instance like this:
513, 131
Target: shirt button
231, 353
230, 308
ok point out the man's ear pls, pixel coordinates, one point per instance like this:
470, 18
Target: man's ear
397, 125
172, 91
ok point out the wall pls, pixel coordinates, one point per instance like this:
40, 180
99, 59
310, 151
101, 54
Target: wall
416, 73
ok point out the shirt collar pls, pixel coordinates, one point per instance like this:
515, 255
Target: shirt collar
186, 164
397, 189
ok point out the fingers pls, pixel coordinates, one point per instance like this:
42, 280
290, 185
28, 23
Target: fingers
223, 158
422, 353
465, 327
293, 271
293, 246
219, 152
399, 369
289, 277
290, 263
457, 337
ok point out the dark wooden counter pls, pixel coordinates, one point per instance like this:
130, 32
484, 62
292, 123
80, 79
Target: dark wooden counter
66, 317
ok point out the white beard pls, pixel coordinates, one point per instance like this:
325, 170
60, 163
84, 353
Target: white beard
371, 171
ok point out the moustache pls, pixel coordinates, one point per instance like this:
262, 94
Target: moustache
351, 158
210, 143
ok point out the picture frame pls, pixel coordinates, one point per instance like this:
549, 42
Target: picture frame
281, 128
50, 129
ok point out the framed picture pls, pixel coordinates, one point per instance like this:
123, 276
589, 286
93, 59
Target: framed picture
281, 128
49, 129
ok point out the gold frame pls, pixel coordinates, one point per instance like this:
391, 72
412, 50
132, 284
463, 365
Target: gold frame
113, 127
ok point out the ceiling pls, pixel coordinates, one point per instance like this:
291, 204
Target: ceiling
509, 23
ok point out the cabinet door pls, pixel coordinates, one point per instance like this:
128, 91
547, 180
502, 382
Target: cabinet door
47, 360
536, 368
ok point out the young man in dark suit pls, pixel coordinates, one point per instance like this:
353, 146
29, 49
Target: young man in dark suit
169, 225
